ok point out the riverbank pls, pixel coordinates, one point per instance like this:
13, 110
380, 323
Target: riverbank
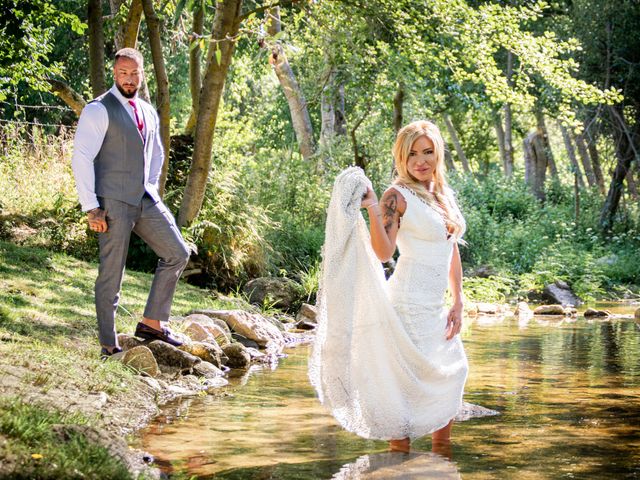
64, 413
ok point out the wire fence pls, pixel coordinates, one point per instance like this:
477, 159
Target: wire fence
39, 124
37, 107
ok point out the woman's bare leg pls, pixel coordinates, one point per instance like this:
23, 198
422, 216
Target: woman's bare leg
444, 434
441, 441
402, 445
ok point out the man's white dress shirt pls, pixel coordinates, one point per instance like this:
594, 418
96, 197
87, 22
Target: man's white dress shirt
92, 128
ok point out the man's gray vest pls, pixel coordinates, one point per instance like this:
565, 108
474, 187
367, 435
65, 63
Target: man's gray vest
119, 165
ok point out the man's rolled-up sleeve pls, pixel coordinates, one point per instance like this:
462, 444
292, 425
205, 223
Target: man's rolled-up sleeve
92, 128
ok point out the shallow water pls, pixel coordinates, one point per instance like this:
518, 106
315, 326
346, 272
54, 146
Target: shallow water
568, 391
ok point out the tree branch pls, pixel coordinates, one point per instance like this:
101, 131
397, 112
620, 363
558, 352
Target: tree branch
68, 95
280, 3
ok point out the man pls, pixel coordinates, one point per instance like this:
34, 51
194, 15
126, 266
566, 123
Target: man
116, 162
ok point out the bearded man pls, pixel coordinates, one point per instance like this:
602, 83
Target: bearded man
117, 161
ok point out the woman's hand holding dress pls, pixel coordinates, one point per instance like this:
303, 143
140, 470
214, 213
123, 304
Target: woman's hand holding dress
454, 320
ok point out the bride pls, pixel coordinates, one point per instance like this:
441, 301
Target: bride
387, 359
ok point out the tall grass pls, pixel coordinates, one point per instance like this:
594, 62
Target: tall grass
35, 169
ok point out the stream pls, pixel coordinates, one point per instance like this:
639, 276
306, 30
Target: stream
567, 389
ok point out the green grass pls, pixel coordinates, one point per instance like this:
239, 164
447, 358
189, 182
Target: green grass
32, 448
48, 344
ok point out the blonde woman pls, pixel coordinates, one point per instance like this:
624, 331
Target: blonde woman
387, 359
419, 214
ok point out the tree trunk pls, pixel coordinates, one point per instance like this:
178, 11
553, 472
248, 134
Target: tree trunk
126, 29
328, 109
131, 26
297, 104
225, 27
341, 118
508, 143
595, 158
398, 102
96, 48
162, 81
118, 24
586, 161
632, 186
195, 67
497, 125
359, 154
571, 153
542, 129
456, 143
448, 159
535, 163
126, 33
68, 95
273, 24
626, 151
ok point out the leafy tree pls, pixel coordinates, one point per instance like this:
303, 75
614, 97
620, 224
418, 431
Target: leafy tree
26, 41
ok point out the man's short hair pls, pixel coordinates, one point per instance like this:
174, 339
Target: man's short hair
131, 53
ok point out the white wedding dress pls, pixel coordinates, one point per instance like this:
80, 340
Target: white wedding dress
380, 361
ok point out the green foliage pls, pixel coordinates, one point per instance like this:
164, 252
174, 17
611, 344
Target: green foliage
310, 281
494, 289
510, 231
229, 233
26, 40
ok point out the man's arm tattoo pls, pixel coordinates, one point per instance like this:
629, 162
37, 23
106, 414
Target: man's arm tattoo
390, 207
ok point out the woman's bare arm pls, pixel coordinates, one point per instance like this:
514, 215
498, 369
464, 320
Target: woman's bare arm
454, 319
384, 220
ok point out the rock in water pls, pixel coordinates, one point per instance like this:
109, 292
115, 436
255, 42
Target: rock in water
169, 355
487, 308
636, 315
523, 309
244, 340
279, 292
307, 313
590, 312
549, 310
251, 325
238, 355
207, 370
560, 292
139, 358
571, 311
209, 352
304, 325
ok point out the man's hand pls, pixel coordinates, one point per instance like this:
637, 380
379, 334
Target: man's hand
97, 219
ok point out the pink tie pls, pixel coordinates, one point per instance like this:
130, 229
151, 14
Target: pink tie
138, 119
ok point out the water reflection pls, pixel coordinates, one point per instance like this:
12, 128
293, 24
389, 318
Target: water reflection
398, 466
568, 391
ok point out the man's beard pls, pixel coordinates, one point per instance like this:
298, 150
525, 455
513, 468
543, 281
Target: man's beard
126, 94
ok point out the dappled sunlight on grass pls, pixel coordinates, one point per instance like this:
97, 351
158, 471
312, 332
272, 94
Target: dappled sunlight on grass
47, 318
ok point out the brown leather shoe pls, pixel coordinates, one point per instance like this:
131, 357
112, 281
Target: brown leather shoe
146, 332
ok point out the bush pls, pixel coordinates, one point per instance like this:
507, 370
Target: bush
230, 233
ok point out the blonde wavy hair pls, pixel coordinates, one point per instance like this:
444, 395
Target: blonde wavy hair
439, 195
